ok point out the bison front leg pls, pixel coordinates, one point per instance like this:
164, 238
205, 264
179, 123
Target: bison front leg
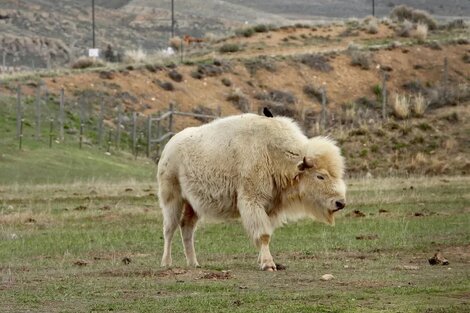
257, 224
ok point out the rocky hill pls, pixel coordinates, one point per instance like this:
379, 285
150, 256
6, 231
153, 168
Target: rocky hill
43, 33
287, 68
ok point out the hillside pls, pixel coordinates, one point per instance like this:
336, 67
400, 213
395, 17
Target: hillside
286, 68
40, 33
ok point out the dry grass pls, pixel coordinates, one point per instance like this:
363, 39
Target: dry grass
135, 56
401, 106
175, 43
419, 105
421, 32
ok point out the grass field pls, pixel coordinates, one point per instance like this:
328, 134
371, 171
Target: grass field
96, 246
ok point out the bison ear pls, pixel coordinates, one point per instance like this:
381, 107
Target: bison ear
305, 164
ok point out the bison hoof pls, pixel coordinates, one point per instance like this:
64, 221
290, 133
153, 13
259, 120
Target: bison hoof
269, 267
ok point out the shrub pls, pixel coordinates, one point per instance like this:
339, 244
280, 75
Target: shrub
360, 58
168, 86
175, 76
371, 25
245, 32
405, 29
226, 82
229, 48
421, 32
403, 12
261, 28
87, 62
313, 93
317, 62
401, 106
456, 24
239, 100
466, 57
262, 62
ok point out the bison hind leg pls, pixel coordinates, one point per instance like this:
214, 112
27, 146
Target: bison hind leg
172, 210
187, 228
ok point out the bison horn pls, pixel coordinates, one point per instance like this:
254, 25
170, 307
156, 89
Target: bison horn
306, 163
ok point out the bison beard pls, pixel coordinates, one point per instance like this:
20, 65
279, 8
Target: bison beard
263, 170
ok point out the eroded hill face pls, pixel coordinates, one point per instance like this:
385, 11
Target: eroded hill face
286, 70
41, 33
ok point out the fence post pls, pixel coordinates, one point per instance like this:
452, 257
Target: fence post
149, 134
108, 149
51, 129
384, 95
61, 115
38, 113
134, 133
158, 132
18, 111
170, 118
118, 133
373, 7
21, 133
82, 119
100, 123
181, 50
446, 77
323, 108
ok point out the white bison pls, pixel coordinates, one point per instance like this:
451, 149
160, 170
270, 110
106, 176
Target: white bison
262, 170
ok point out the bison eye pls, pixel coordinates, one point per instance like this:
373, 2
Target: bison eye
320, 177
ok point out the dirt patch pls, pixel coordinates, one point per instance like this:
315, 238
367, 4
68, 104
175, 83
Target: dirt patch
222, 275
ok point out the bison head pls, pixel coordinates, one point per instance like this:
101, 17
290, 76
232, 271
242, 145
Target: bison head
322, 190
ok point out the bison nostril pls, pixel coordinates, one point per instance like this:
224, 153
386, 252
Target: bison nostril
340, 204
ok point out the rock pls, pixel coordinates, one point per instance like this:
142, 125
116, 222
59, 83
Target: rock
327, 277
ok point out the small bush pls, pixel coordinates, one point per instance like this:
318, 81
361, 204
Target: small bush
226, 82
403, 12
239, 100
421, 32
245, 32
371, 25
168, 86
313, 93
229, 48
405, 29
401, 106
261, 28
265, 63
201, 109
87, 62
456, 24
175, 76
317, 62
360, 58
466, 57
419, 105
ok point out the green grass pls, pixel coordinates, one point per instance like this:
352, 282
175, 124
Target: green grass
43, 235
36, 163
